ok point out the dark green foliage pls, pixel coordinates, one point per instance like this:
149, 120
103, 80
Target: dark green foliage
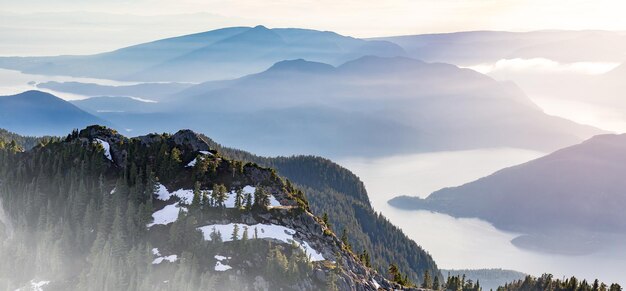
334, 190
79, 220
460, 283
427, 283
489, 278
396, 276
25, 142
547, 282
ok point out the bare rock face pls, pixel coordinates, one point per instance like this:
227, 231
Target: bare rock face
111, 136
189, 139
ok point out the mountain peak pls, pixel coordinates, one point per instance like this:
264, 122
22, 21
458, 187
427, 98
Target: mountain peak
258, 34
260, 27
37, 95
189, 138
300, 65
372, 61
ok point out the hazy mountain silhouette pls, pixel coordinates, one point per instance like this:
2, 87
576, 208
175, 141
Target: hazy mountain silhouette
150, 91
578, 191
218, 54
39, 113
475, 47
431, 106
104, 104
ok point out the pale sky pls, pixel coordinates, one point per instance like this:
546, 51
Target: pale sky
124, 22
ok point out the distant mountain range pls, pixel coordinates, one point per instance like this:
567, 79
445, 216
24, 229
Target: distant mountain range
148, 91
323, 93
569, 201
475, 47
218, 54
39, 113
375, 105
369, 106
106, 104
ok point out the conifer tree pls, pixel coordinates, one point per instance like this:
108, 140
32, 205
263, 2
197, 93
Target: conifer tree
235, 234
239, 198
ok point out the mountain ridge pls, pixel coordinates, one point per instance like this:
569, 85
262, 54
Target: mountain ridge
39, 113
114, 153
582, 182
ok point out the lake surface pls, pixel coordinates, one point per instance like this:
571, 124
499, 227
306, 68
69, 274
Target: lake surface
469, 243
14, 82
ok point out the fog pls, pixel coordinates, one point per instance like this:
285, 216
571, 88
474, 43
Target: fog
543, 65
585, 92
468, 243
14, 82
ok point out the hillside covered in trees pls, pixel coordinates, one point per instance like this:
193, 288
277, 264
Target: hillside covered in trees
341, 195
98, 211
548, 282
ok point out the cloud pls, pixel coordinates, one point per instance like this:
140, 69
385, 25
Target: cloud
543, 65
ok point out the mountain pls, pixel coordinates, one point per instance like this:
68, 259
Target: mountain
369, 106
338, 193
162, 212
569, 201
148, 91
478, 47
39, 113
102, 104
26, 142
213, 55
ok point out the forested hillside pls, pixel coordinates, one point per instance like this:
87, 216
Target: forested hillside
26, 142
548, 282
98, 211
490, 279
337, 192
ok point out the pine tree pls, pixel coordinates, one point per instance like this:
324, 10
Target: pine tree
244, 235
248, 201
197, 196
436, 284
220, 194
238, 198
427, 282
344, 239
235, 234
325, 219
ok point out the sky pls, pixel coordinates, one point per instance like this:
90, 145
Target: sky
98, 25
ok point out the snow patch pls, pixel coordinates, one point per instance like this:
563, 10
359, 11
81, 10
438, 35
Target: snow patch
376, 284
221, 267
263, 231
186, 195
204, 153
171, 259
107, 148
166, 215
160, 258
34, 286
